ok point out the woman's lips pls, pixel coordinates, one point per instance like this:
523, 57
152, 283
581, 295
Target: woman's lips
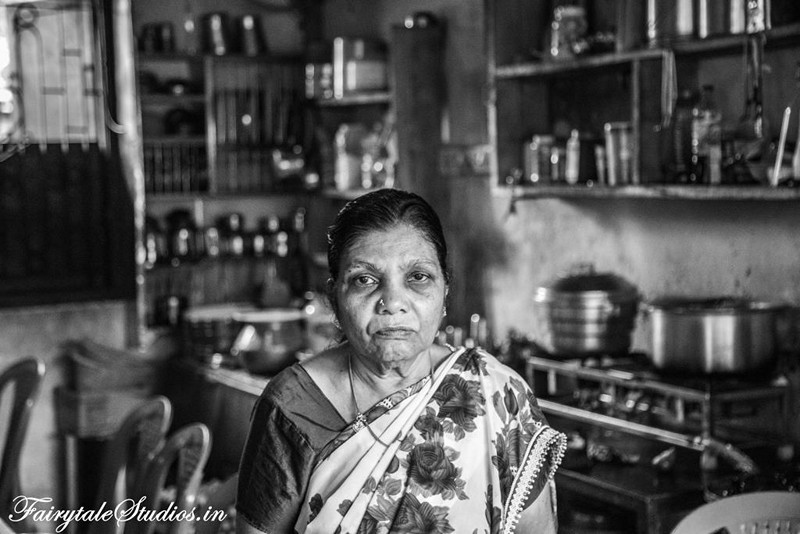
394, 332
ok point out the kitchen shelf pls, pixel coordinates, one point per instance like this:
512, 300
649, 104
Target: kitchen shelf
527, 70
182, 140
163, 99
780, 35
776, 36
360, 99
348, 194
658, 192
170, 198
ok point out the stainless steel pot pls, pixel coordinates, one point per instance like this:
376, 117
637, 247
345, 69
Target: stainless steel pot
587, 313
713, 335
268, 339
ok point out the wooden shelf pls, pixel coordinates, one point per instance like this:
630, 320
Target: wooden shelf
526, 70
356, 100
177, 140
205, 196
349, 194
163, 99
658, 192
780, 35
777, 36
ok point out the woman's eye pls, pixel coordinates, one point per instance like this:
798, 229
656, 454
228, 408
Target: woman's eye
419, 277
364, 280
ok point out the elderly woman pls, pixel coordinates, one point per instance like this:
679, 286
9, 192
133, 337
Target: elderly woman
389, 431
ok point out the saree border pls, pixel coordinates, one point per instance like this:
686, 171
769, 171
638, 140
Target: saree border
539, 449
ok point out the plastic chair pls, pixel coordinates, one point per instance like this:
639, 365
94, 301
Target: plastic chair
130, 451
26, 377
761, 511
187, 452
218, 498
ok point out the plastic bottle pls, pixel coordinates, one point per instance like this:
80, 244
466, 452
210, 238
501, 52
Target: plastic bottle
573, 157
706, 148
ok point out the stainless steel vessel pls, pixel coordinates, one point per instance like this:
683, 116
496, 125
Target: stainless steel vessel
713, 335
587, 313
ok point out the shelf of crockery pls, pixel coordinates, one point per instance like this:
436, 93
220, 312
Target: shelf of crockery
657, 192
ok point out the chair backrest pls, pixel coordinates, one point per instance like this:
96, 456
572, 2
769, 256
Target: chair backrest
218, 499
130, 450
185, 454
761, 511
26, 377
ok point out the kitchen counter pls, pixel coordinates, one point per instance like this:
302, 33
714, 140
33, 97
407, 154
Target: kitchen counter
222, 399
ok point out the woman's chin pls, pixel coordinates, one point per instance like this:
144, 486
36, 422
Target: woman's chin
395, 350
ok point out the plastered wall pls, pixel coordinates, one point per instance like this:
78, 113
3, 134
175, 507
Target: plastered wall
40, 332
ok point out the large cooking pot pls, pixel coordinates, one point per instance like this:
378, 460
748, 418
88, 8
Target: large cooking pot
209, 330
268, 339
587, 313
713, 335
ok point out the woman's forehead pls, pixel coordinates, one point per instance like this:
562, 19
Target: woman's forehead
399, 241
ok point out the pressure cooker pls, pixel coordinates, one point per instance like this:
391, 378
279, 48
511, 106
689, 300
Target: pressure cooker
587, 313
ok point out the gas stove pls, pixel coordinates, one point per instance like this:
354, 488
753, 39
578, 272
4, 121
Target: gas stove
705, 413
654, 442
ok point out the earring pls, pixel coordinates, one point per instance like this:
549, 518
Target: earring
444, 311
336, 323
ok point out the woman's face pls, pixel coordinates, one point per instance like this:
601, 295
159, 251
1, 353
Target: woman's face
390, 294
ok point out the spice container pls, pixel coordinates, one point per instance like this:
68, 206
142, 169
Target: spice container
569, 26
537, 153
558, 164
669, 21
619, 153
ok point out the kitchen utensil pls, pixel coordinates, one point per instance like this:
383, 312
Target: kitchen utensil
713, 335
216, 33
155, 243
776, 171
568, 27
269, 339
537, 159
208, 332
587, 313
252, 38
669, 21
619, 152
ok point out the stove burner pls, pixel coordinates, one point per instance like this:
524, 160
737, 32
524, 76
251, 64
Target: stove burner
637, 366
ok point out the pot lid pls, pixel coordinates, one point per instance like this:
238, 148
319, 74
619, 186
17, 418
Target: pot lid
588, 285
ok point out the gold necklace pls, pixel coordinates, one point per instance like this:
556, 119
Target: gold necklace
361, 419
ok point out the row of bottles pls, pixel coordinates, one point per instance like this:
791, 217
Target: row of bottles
269, 267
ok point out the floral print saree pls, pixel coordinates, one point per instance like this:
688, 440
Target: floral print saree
463, 451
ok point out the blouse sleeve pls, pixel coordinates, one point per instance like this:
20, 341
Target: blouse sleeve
274, 468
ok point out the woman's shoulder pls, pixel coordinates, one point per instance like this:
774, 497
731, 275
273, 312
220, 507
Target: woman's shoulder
479, 361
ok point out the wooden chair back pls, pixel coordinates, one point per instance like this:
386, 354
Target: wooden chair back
131, 449
183, 458
25, 376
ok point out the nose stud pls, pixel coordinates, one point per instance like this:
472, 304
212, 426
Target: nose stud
381, 303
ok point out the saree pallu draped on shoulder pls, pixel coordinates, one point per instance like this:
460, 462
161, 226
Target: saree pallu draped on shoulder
464, 451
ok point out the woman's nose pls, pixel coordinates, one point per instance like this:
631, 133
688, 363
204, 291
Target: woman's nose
393, 299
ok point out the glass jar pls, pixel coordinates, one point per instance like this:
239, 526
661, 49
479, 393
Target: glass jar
537, 156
